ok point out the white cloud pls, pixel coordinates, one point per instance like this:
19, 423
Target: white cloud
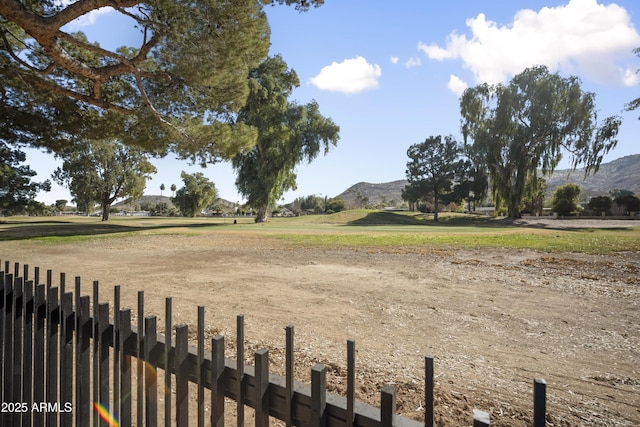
85, 20
349, 76
89, 19
414, 61
581, 37
457, 85
631, 77
394, 59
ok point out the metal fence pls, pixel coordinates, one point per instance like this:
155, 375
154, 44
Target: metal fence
64, 361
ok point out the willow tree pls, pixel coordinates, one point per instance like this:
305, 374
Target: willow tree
527, 126
178, 86
288, 134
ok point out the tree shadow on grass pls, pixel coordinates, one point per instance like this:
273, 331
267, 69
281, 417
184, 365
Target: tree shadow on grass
394, 218
25, 230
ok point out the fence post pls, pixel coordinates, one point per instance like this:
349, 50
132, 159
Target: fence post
318, 394
539, 402
388, 406
480, 418
428, 391
217, 381
182, 376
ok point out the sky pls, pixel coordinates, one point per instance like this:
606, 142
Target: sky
390, 75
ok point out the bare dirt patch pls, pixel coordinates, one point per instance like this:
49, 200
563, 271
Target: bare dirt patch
493, 319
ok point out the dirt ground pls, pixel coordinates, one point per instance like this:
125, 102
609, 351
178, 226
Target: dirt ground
493, 319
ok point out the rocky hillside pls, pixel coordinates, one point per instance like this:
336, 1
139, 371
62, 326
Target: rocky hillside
623, 174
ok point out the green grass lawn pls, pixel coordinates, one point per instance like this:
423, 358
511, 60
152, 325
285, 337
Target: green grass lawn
354, 228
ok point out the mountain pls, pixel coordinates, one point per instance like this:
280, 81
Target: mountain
389, 194
622, 174
154, 200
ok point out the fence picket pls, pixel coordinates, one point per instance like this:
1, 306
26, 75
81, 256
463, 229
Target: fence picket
95, 392
104, 338
480, 418
289, 375
151, 378
182, 376
2, 317
318, 394
351, 380
539, 402
40, 310
53, 319
428, 391
199, 367
217, 381
139, 362
17, 338
388, 406
27, 354
126, 338
240, 369
7, 395
83, 363
261, 387
66, 360
116, 349
167, 362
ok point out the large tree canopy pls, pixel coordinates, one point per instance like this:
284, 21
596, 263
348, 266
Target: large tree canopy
180, 86
103, 171
288, 134
527, 125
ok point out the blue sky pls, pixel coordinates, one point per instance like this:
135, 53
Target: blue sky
390, 73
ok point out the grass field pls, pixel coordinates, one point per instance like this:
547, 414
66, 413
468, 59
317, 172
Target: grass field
344, 229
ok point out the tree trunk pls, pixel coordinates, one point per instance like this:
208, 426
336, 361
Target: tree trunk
435, 207
106, 204
263, 214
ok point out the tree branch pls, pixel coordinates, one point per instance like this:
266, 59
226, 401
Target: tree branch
75, 95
